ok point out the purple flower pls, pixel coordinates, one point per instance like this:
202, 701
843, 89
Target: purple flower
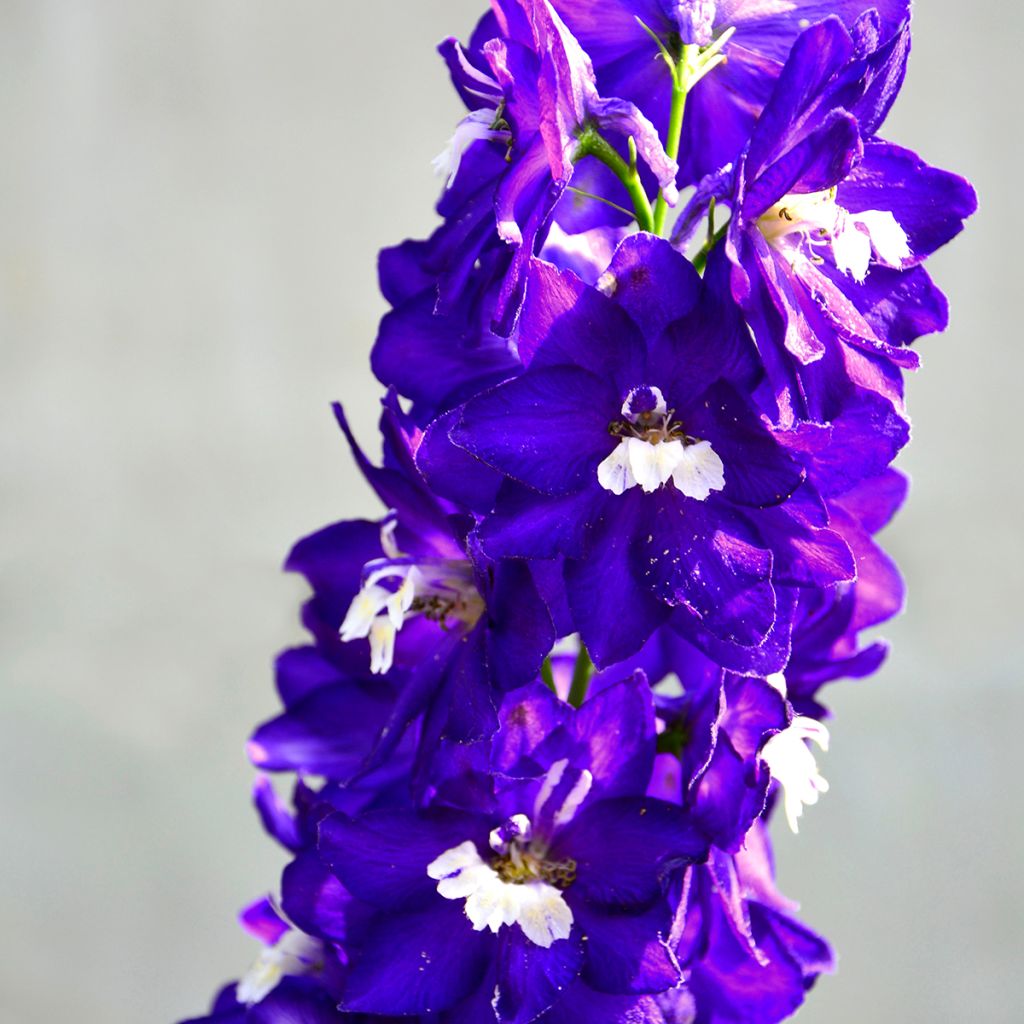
677, 470
746, 959
628, 448
294, 1000
716, 726
830, 226
826, 633
295, 977
440, 358
755, 37
410, 620
534, 110
544, 874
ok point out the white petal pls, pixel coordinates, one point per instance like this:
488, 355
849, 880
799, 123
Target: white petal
401, 600
793, 766
888, 239
851, 249
259, 981
295, 954
653, 464
474, 126
466, 882
699, 471
576, 796
811, 729
388, 544
382, 645
493, 904
452, 861
544, 915
551, 780
614, 473
365, 607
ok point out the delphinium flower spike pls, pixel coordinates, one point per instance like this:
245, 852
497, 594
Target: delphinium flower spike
635, 455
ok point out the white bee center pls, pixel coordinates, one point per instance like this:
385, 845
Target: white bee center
654, 449
802, 227
519, 884
295, 954
397, 588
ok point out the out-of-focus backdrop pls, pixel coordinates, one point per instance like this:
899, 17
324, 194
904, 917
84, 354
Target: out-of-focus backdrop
192, 193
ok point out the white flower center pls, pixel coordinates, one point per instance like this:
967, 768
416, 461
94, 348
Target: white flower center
294, 955
397, 588
653, 449
475, 126
801, 226
519, 884
792, 765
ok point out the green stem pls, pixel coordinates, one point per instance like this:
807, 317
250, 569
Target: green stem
700, 261
592, 143
582, 673
599, 199
680, 90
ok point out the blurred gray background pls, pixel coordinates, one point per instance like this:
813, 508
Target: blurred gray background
192, 195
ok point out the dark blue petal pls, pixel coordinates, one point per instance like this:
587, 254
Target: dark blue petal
547, 429
706, 557
382, 857
611, 604
627, 952
330, 732
417, 962
530, 977
526, 524
625, 848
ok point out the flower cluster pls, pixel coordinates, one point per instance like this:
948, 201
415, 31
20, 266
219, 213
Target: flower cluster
643, 394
